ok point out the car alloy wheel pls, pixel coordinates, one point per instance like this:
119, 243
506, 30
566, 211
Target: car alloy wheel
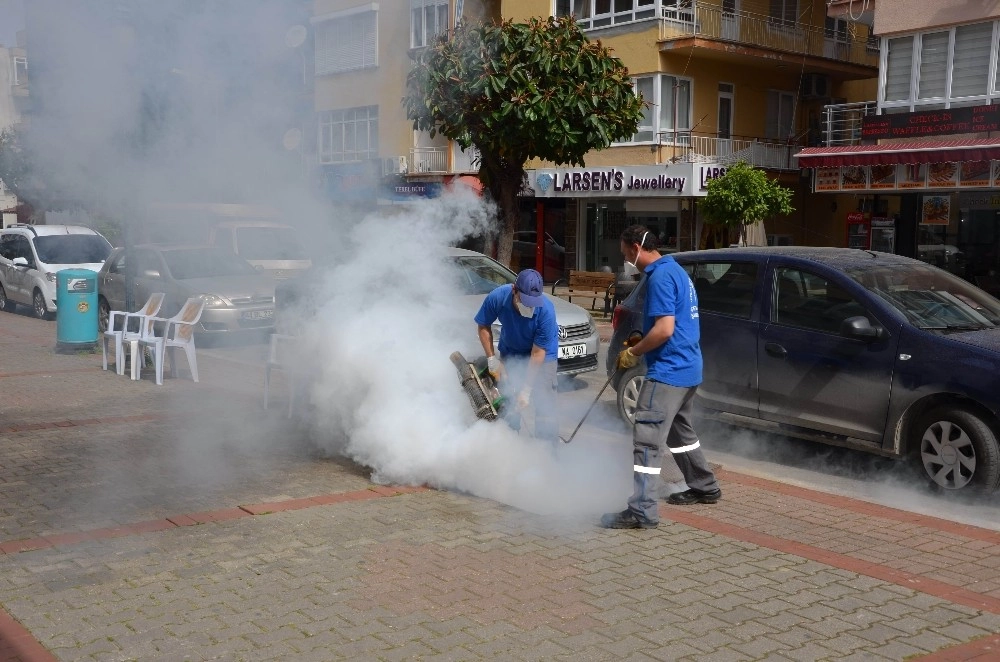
5, 303
38, 305
628, 393
958, 450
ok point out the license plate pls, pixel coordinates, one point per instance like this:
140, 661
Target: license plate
572, 351
258, 314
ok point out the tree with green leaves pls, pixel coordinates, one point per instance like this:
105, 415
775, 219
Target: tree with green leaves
521, 91
744, 196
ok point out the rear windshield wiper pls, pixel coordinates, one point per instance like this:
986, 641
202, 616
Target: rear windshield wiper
958, 327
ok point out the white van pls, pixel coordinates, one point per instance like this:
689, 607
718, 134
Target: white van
30, 256
271, 247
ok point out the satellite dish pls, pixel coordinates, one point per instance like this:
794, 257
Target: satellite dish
296, 36
292, 139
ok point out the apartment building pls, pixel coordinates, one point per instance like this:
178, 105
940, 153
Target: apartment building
915, 168
13, 102
726, 80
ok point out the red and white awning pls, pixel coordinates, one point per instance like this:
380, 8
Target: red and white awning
916, 151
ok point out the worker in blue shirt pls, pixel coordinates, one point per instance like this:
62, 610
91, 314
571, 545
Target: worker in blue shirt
671, 344
528, 349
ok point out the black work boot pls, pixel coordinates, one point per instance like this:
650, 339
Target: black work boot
626, 519
688, 497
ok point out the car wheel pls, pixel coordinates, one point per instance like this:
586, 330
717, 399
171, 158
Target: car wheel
103, 314
958, 450
6, 304
628, 393
38, 305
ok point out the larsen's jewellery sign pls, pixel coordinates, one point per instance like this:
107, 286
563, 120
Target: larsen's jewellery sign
677, 180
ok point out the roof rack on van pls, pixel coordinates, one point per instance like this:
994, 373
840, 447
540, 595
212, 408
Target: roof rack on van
25, 225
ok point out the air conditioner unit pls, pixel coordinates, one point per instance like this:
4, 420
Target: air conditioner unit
394, 165
816, 86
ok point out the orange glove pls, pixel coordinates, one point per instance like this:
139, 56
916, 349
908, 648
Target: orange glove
626, 359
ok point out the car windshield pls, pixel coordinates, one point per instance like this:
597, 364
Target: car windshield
931, 298
480, 275
72, 248
205, 263
265, 243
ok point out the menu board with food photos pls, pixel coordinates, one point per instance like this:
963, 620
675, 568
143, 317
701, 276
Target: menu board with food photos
936, 210
883, 176
906, 176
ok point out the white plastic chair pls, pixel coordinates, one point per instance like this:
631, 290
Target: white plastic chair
281, 357
178, 331
123, 335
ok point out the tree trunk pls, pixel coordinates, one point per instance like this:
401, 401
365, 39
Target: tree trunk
508, 185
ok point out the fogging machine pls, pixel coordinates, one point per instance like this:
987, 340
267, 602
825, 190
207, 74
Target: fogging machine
480, 386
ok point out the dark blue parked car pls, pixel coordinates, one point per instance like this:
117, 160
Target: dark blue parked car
854, 348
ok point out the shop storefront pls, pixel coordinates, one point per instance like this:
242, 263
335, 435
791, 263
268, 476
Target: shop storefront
938, 201
599, 203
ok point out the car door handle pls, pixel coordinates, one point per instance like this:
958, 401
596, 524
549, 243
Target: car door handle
774, 349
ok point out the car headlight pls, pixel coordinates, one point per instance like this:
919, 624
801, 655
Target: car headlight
50, 276
591, 325
212, 301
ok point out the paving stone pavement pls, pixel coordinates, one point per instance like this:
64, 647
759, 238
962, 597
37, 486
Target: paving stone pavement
131, 532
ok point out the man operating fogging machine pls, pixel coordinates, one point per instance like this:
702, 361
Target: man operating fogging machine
671, 345
529, 344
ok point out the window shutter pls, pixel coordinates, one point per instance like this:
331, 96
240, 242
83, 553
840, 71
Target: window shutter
972, 55
348, 43
933, 65
899, 61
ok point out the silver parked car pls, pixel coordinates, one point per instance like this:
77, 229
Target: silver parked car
237, 296
476, 275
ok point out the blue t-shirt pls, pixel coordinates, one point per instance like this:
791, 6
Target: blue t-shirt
519, 333
669, 291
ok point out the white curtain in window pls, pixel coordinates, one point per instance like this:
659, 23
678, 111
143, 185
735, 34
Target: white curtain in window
669, 87
899, 62
780, 115
933, 65
969, 70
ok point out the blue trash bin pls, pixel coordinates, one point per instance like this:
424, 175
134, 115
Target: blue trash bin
76, 309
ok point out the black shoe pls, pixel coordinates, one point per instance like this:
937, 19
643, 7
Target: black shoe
626, 519
688, 497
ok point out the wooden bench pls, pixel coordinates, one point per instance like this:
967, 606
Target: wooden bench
590, 284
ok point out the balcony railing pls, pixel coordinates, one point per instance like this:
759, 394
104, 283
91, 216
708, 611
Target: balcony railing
429, 159
842, 122
758, 152
711, 22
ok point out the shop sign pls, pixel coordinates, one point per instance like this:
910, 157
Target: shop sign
635, 181
983, 200
908, 176
970, 119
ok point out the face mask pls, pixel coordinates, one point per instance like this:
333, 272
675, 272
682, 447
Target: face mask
526, 311
641, 242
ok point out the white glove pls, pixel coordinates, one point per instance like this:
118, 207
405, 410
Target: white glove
494, 366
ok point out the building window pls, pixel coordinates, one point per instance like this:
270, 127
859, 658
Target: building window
347, 135
937, 69
780, 115
347, 42
784, 12
428, 20
602, 13
20, 70
664, 97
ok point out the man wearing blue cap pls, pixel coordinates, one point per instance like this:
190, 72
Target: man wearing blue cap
528, 349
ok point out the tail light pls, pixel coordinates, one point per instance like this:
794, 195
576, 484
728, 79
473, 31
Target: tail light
616, 316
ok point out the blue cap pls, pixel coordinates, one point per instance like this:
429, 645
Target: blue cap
530, 286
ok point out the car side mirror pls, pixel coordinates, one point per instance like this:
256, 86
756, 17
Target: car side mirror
860, 328
150, 273
19, 262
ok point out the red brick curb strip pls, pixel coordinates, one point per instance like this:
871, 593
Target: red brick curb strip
17, 644
48, 425
192, 519
984, 649
862, 507
939, 589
